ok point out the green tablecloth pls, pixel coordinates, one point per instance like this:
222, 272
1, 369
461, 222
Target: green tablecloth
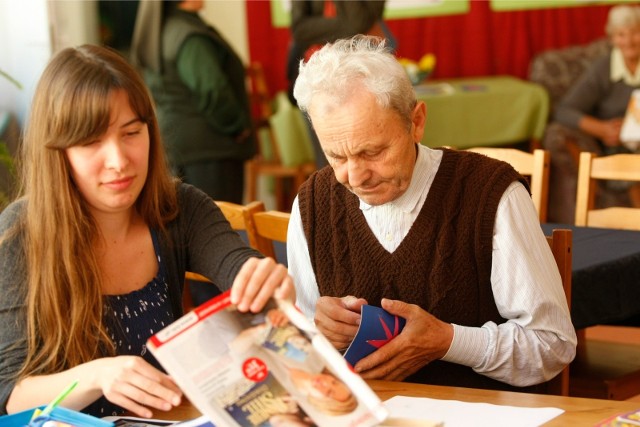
483, 111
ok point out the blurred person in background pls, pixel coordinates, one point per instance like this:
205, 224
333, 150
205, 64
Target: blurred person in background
591, 115
198, 83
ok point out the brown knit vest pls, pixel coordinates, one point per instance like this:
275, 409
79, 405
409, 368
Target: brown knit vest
443, 264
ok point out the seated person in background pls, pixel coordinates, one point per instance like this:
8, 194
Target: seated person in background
593, 110
449, 240
93, 255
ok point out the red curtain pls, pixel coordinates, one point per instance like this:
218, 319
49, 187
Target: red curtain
478, 43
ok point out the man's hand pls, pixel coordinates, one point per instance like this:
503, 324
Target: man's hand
610, 133
339, 318
423, 339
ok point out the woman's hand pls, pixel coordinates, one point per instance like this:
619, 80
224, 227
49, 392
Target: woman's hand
258, 280
135, 385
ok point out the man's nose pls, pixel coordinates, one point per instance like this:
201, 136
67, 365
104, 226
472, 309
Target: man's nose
356, 172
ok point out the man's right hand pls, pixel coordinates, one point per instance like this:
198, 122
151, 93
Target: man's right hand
339, 318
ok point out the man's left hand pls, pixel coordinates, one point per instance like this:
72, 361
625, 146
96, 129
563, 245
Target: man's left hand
423, 339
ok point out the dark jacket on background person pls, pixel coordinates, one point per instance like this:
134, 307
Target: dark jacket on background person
203, 111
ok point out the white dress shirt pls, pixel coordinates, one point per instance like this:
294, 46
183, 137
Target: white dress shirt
537, 340
619, 70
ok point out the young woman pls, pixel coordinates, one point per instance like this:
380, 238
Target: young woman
93, 255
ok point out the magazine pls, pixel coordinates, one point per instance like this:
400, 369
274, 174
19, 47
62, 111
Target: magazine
628, 419
630, 132
263, 369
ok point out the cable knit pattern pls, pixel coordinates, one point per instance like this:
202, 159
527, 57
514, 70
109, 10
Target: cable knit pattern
444, 262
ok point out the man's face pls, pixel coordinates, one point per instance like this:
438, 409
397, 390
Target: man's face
371, 150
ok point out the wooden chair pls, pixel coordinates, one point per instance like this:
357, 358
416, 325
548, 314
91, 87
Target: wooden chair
605, 369
272, 226
535, 165
561, 247
240, 218
284, 148
624, 167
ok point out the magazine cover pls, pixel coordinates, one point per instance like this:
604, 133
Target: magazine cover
264, 369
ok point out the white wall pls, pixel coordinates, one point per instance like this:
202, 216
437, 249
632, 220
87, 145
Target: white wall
24, 51
229, 17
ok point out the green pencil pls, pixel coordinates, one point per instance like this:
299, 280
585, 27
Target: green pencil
59, 398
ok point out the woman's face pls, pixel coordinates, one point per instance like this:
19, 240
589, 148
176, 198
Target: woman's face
324, 385
627, 39
110, 170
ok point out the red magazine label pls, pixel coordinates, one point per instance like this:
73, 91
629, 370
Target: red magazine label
255, 369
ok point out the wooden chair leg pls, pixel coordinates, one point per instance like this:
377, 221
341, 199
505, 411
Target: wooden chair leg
251, 178
280, 196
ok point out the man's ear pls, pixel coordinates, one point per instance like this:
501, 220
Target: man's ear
418, 121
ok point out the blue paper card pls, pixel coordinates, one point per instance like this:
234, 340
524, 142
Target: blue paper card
377, 327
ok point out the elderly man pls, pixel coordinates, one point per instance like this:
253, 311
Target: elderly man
447, 239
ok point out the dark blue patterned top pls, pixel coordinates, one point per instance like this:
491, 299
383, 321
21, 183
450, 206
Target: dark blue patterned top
131, 319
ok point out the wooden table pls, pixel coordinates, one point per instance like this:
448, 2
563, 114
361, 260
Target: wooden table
578, 411
484, 111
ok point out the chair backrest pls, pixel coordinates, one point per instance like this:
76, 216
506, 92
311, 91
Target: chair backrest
557, 69
562, 248
536, 165
241, 219
284, 147
291, 139
272, 225
622, 167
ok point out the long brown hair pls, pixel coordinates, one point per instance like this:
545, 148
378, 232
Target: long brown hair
64, 301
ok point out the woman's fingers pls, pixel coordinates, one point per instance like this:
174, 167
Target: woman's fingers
134, 384
257, 281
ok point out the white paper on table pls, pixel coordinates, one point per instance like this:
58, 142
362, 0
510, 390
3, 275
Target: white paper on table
455, 413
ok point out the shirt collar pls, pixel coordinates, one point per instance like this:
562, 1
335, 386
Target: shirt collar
620, 72
419, 179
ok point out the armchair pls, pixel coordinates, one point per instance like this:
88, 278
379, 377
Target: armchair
556, 70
